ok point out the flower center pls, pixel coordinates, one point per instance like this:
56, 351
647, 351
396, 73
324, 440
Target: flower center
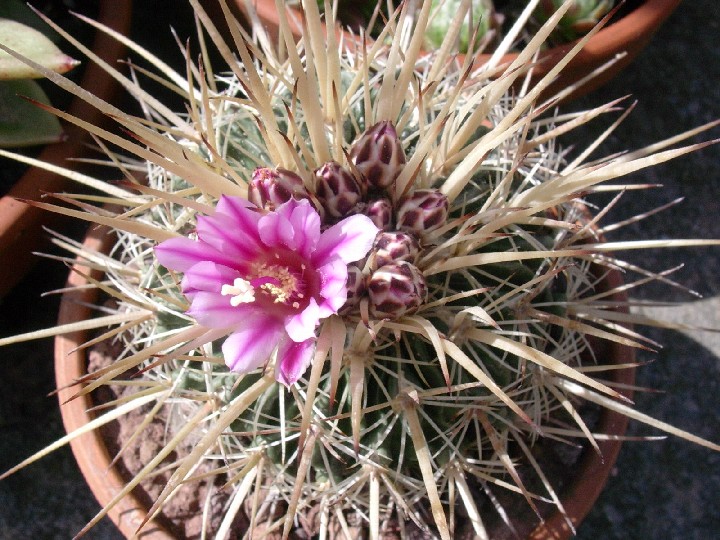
275, 283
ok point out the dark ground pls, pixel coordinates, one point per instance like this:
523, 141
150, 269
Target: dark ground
660, 490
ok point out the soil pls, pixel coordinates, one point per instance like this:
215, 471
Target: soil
182, 515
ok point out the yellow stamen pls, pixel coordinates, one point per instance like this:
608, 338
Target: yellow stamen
286, 281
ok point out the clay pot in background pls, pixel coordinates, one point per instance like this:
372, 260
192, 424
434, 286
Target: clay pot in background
628, 36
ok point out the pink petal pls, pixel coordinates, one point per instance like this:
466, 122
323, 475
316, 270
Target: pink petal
276, 231
349, 240
333, 279
241, 211
251, 345
293, 359
301, 326
306, 223
214, 311
294, 224
228, 236
330, 306
182, 253
333, 287
208, 276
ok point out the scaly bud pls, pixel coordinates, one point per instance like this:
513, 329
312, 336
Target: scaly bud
269, 188
380, 212
422, 211
378, 155
356, 285
394, 246
396, 289
336, 189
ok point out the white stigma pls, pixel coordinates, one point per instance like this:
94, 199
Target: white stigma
241, 290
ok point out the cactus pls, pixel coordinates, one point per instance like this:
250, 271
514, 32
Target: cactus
412, 316
423, 211
580, 18
477, 24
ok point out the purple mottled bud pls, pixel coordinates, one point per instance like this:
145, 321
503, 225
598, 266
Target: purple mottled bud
394, 246
378, 155
380, 212
336, 189
422, 211
396, 289
356, 285
269, 188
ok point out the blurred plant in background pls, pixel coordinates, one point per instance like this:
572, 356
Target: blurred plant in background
21, 122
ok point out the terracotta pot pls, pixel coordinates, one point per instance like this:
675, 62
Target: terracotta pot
628, 35
21, 226
105, 482
90, 451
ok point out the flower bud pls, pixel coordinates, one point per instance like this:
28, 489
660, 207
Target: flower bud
396, 289
378, 155
336, 189
380, 212
394, 246
356, 285
422, 211
269, 188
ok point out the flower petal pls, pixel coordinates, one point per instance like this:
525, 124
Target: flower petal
276, 231
251, 345
181, 254
242, 212
209, 277
301, 326
293, 359
229, 236
333, 287
333, 279
348, 240
306, 222
294, 224
214, 311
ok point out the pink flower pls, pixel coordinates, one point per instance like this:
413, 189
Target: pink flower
269, 278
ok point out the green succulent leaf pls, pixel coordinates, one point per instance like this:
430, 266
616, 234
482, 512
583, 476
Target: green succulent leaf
23, 123
32, 44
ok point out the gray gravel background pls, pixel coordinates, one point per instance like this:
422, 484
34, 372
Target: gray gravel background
659, 490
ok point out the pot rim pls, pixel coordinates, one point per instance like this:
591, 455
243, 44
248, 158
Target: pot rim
619, 42
89, 449
631, 27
